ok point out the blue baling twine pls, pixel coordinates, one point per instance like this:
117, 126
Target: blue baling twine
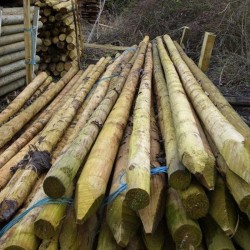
32, 60
69, 201
44, 201
123, 186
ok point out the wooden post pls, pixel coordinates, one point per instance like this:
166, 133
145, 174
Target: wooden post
35, 29
206, 51
1, 13
27, 40
185, 36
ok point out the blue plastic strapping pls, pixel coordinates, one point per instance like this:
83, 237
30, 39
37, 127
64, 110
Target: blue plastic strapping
44, 201
123, 186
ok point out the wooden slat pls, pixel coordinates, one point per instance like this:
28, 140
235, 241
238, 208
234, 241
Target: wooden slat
206, 51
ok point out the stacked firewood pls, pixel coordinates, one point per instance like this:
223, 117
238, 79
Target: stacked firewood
12, 50
89, 9
83, 166
58, 51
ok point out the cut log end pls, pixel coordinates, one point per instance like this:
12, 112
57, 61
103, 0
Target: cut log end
187, 236
196, 206
137, 198
179, 180
53, 187
43, 229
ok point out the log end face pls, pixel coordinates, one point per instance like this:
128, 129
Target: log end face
53, 187
137, 198
187, 236
196, 206
179, 180
43, 229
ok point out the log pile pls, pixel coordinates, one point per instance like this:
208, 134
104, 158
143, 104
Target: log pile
86, 158
58, 51
89, 9
12, 50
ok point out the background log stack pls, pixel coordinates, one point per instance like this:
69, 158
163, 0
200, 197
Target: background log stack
58, 51
87, 156
12, 49
89, 9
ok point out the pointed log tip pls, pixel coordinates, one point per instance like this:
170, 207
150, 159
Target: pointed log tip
44, 230
84, 210
237, 157
187, 236
180, 180
205, 164
53, 187
137, 198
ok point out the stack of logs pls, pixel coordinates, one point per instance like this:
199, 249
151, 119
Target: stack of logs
96, 135
12, 50
89, 9
58, 51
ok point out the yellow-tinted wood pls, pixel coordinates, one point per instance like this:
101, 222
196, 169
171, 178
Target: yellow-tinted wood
206, 51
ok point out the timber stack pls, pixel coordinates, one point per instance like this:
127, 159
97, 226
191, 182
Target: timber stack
83, 166
12, 50
60, 36
89, 10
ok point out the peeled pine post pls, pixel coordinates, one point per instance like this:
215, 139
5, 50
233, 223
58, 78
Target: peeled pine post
152, 214
215, 95
185, 232
48, 221
239, 189
15, 124
192, 152
178, 176
68, 234
138, 169
27, 39
50, 244
121, 219
38, 124
156, 240
89, 197
22, 235
12, 86
136, 243
106, 240
45, 144
10, 58
242, 235
195, 201
215, 238
23, 231
222, 208
78, 237
234, 148
5, 80
4, 40
103, 85
57, 182
42, 88
19, 101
